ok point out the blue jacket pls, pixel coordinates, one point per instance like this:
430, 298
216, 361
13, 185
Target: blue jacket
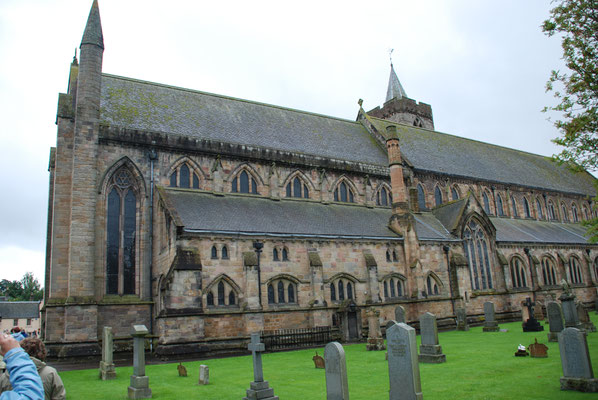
26, 383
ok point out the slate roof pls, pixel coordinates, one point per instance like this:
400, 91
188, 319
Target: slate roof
532, 231
428, 227
19, 309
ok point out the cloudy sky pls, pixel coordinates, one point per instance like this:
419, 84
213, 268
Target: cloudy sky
482, 65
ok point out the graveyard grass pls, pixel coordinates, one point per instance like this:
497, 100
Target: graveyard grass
479, 366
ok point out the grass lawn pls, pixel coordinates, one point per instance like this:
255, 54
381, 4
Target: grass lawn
479, 366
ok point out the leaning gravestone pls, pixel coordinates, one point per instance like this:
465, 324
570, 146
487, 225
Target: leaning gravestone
490, 324
555, 320
204, 375
569, 310
575, 359
375, 339
259, 389
403, 368
139, 388
337, 387
107, 370
319, 361
400, 315
462, 324
584, 318
430, 351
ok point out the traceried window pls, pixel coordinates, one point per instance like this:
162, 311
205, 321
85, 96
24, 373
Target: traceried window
514, 206
421, 197
586, 214
454, 193
548, 272
499, 208
280, 254
574, 212
438, 196
526, 210
432, 286
391, 255
344, 193
297, 188
244, 182
121, 233
383, 197
222, 294
550, 211
282, 291
394, 288
539, 207
418, 122
518, 278
486, 203
184, 177
575, 270
341, 289
477, 251
564, 213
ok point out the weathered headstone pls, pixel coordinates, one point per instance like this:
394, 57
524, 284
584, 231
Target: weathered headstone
555, 320
182, 370
139, 388
538, 311
575, 359
429, 350
490, 324
375, 339
584, 318
538, 350
337, 387
462, 324
532, 324
107, 370
319, 361
569, 310
403, 368
259, 388
204, 375
400, 315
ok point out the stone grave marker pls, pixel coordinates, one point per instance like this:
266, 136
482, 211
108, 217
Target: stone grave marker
575, 359
139, 388
258, 389
584, 318
400, 315
107, 370
375, 339
430, 351
403, 368
490, 324
462, 324
337, 386
182, 369
319, 361
569, 310
204, 375
538, 311
532, 324
555, 320
538, 350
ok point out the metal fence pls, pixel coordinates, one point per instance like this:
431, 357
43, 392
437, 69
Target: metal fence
294, 338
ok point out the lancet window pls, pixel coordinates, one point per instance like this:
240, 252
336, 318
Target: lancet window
477, 251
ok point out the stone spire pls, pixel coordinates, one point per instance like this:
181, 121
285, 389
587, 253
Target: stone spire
395, 89
93, 29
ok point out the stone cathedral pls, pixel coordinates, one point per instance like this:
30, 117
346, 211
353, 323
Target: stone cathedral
206, 217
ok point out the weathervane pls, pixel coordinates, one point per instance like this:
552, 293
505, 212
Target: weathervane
390, 55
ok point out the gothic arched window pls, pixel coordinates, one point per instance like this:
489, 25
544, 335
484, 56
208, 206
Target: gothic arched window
394, 287
550, 211
121, 234
477, 251
518, 273
282, 291
225, 295
275, 256
548, 272
499, 208
185, 176
297, 188
575, 271
421, 198
526, 211
433, 286
454, 194
214, 253
539, 207
438, 196
564, 213
486, 203
574, 212
383, 197
244, 183
514, 205
344, 193
224, 253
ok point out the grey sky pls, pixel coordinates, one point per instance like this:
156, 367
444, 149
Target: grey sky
482, 65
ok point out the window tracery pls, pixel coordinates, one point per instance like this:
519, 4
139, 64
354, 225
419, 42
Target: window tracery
477, 251
244, 182
518, 277
344, 193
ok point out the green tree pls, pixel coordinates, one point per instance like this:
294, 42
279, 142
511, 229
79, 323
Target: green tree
26, 289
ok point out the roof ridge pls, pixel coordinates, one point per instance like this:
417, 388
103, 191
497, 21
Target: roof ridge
230, 98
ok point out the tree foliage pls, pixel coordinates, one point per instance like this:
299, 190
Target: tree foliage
576, 21
26, 289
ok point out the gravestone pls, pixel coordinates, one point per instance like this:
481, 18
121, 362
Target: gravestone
400, 315
258, 389
538, 311
107, 370
569, 310
403, 368
532, 324
584, 318
555, 320
375, 339
319, 361
575, 359
490, 324
538, 350
337, 387
182, 369
462, 324
204, 375
139, 388
429, 350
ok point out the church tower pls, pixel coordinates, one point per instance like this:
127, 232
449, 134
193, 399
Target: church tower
400, 108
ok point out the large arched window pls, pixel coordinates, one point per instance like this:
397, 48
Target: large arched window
564, 213
438, 196
551, 212
486, 203
539, 208
383, 197
518, 277
526, 210
221, 293
477, 251
575, 270
454, 193
514, 206
244, 182
574, 212
121, 233
421, 197
297, 188
499, 208
344, 193
549, 272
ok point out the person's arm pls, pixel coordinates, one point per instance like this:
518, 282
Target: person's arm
26, 383
58, 391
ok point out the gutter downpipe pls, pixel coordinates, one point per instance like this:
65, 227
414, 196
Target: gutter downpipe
153, 156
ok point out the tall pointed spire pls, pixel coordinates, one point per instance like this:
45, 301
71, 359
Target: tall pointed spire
93, 29
395, 89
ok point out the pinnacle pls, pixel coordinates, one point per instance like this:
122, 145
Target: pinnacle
93, 29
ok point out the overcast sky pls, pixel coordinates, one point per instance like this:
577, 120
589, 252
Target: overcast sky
481, 65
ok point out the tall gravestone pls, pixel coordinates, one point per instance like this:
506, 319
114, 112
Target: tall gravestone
555, 320
375, 339
584, 318
575, 359
107, 370
569, 310
403, 368
532, 324
462, 324
139, 388
490, 324
429, 350
259, 388
337, 386
400, 315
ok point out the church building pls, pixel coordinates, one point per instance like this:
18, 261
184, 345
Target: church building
207, 218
